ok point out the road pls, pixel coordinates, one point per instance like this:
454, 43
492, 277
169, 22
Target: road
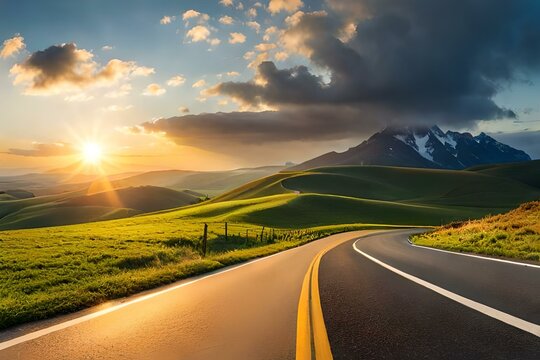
372, 312
367, 310
246, 313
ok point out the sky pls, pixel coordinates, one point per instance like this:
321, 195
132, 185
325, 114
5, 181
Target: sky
211, 85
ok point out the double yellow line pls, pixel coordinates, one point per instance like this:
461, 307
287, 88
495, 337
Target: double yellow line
311, 337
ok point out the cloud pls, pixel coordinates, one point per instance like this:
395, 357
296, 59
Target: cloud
192, 14
198, 33
276, 6
183, 109
80, 97
269, 32
281, 56
232, 132
237, 38
226, 2
154, 90
107, 48
42, 150
226, 20
254, 25
65, 68
232, 73
214, 42
176, 81
123, 90
251, 13
166, 20
265, 46
199, 83
249, 55
12, 46
405, 59
117, 108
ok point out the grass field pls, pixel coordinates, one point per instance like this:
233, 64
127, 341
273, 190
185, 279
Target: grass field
515, 234
48, 271
51, 271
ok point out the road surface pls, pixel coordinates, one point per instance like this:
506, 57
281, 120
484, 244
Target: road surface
372, 312
251, 311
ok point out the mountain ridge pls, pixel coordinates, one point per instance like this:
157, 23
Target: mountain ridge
422, 147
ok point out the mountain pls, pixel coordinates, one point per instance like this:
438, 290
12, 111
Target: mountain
421, 147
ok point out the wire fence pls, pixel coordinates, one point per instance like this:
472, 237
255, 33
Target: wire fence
224, 236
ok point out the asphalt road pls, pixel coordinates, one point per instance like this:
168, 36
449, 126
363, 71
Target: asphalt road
247, 313
250, 311
373, 313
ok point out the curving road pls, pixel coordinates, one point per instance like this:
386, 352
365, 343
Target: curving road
371, 296
373, 312
245, 312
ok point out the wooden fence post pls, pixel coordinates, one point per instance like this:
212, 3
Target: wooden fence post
226, 232
262, 234
205, 239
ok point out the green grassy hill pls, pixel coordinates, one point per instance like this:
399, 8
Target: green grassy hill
73, 208
389, 195
515, 234
52, 270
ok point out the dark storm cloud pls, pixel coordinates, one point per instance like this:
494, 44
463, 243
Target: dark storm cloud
64, 68
54, 149
440, 61
219, 131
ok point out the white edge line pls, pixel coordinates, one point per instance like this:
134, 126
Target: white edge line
484, 309
474, 256
42, 332
39, 333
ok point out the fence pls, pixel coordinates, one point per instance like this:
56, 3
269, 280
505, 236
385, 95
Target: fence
229, 236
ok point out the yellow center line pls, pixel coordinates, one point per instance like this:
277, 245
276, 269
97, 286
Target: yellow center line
311, 336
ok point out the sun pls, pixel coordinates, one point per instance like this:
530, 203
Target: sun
92, 153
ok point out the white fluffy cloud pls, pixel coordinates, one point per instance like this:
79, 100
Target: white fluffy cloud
199, 83
176, 81
12, 46
226, 20
154, 90
166, 20
254, 25
226, 2
198, 33
276, 6
237, 38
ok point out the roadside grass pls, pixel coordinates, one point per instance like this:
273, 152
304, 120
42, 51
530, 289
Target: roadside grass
51, 271
515, 234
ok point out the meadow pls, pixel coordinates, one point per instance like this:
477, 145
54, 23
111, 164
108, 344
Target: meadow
50, 271
55, 270
515, 235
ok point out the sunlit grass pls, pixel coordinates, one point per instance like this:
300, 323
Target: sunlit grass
515, 234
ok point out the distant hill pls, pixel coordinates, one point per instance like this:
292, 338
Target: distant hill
15, 195
206, 182
76, 207
378, 194
421, 147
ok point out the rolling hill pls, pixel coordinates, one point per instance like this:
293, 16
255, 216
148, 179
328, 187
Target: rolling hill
378, 194
73, 208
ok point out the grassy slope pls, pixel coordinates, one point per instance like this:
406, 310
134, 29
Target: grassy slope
49, 271
53, 270
515, 234
76, 207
